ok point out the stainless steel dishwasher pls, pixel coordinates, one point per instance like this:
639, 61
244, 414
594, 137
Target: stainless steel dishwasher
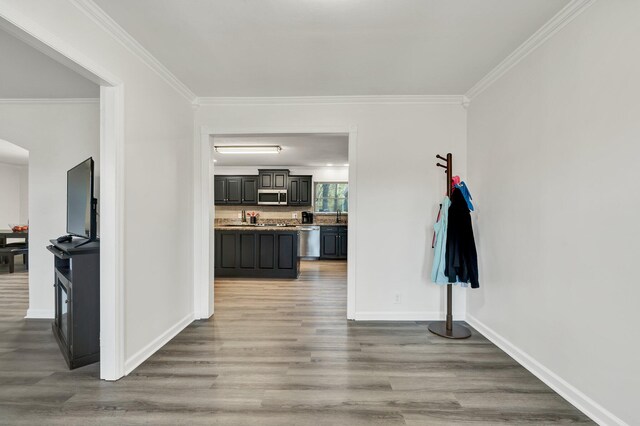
309, 241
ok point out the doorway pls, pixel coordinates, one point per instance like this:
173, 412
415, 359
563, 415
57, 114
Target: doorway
205, 220
281, 204
14, 229
109, 115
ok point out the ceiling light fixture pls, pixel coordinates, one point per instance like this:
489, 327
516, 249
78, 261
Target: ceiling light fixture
257, 149
346, 164
329, 164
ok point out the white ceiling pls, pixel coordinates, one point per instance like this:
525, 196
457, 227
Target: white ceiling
27, 73
330, 47
297, 150
13, 154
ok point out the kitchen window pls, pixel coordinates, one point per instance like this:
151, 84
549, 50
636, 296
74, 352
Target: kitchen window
331, 197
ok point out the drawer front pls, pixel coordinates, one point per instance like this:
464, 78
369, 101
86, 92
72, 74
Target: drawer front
329, 228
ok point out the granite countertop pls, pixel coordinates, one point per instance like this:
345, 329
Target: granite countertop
255, 228
247, 227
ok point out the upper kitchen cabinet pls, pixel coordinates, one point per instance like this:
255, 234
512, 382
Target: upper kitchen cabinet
300, 190
220, 190
249, 190
235, 190
273, 179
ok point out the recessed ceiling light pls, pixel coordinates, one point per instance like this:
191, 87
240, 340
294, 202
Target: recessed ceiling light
329, 164
215, 161
258, 149
346, 164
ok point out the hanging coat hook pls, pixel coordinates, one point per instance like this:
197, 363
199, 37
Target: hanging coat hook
441, 165
441, 157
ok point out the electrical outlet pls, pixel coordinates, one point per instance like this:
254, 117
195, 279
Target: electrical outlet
239, 215
396, 298
294, 215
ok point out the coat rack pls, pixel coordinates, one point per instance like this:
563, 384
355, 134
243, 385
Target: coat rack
448, 328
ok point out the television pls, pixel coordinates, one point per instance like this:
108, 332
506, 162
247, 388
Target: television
81, 204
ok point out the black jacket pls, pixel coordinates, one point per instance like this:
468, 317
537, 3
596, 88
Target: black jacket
461, 257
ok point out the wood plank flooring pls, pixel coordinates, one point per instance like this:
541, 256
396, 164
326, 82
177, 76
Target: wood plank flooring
279, 352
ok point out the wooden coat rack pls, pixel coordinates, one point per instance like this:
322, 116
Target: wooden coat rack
448, 328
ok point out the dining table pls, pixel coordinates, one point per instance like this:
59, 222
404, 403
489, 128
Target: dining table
6, 234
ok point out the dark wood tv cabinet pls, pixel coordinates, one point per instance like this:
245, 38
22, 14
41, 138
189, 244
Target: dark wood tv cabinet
76, 326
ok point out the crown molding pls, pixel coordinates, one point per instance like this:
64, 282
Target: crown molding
99, 16
30, 101
551, 27
333, 100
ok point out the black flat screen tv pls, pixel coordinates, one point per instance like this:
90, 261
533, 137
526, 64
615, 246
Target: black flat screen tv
81, 204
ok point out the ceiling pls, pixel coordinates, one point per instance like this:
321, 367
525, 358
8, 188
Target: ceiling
311, 150
27, 73
13, 154
330, 47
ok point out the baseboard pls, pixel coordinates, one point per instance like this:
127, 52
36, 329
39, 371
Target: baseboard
40, 314
405, 316
144, 353
582, 402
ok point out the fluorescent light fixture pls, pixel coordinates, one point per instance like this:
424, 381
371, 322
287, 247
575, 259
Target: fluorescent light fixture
247, 149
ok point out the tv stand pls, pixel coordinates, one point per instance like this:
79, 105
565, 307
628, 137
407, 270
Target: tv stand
77, 301
87, 241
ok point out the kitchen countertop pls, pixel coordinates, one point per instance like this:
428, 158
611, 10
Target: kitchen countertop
255, 228
271, 227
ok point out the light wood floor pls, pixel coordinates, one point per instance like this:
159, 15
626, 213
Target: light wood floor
279, 352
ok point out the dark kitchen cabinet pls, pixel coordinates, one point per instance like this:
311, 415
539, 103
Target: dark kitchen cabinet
220, 190
300, 190
333, 242
236, 190
273, 179
249, 190
342, 242
256, 254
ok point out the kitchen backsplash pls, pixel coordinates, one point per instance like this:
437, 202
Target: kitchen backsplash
273, 214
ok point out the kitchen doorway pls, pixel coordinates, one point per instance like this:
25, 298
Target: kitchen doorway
317, 202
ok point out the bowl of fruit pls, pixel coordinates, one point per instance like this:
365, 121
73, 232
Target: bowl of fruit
19, 228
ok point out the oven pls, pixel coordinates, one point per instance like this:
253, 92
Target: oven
272, 197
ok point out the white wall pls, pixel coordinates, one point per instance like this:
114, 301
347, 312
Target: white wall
553, 151
396, 178
158, 139
58, 136
15, 191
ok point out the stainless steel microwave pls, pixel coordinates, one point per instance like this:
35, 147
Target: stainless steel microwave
273, 197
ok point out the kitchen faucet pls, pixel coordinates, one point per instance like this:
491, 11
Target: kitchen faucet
338, 215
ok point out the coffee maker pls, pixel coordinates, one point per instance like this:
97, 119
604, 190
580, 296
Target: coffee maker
307, 217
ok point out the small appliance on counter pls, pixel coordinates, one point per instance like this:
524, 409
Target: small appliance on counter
307, 217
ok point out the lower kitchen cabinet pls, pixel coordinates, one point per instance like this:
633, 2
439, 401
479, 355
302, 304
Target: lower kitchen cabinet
256, 254
333, 242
